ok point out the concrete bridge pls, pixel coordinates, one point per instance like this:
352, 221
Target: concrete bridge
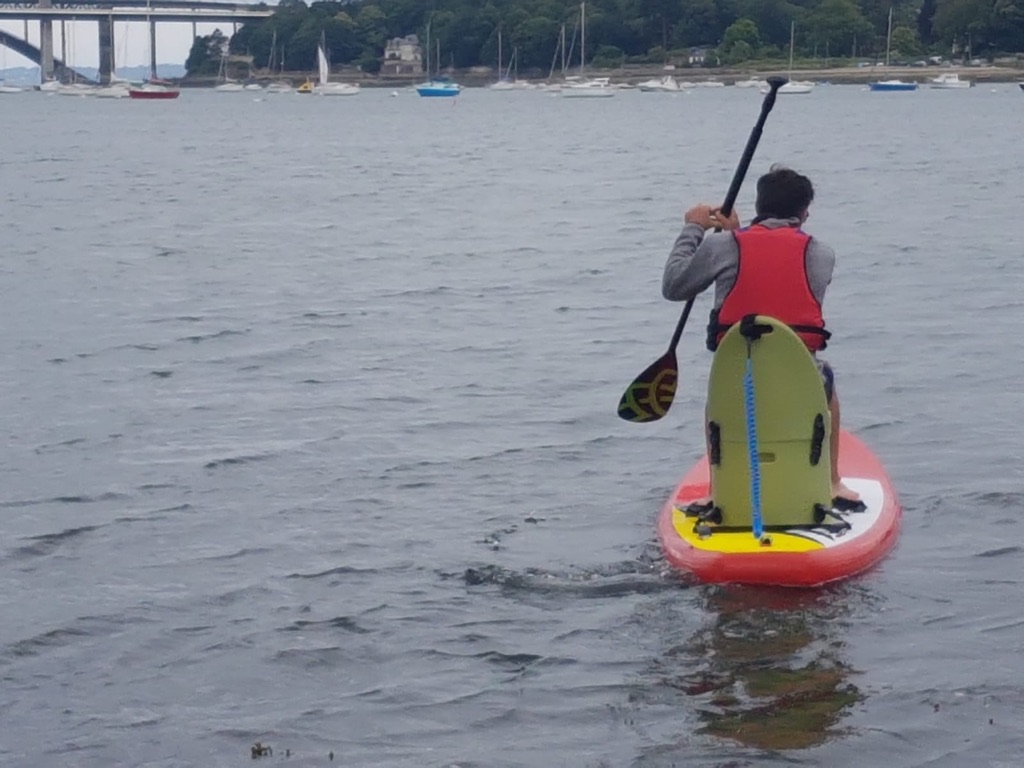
105, 13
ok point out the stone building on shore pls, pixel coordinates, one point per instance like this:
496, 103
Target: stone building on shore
402, 56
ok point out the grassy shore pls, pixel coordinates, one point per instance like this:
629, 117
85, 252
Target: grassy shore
855, 75
482, 76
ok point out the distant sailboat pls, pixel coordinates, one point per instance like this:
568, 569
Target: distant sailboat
277, 86
325, 87
224, 83
117, 88
582, 87
891, 85
155, 88
793, 86
508, 81
438, 86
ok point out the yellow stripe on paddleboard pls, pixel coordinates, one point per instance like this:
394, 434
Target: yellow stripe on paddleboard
734, 542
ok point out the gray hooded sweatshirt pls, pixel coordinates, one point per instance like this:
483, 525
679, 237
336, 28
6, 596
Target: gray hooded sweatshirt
698, 260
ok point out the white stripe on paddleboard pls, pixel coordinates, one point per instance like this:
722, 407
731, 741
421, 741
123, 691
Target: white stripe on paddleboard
871, 494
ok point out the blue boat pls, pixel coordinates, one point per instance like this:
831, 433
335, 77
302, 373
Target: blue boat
892, 85
439, 86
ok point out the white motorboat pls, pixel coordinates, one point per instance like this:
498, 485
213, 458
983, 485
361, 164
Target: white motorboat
949, 81
666, 84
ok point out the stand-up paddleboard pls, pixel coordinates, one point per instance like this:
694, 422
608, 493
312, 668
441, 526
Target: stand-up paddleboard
805, 540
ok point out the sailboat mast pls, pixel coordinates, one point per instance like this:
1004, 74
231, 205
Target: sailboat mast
554, 57
792, 30
563, 50
501, 61
152, 43
583, 35
888, 39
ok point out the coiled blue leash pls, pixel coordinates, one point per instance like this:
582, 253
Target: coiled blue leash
752, 452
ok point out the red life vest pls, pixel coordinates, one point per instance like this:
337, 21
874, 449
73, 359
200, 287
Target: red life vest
771, 279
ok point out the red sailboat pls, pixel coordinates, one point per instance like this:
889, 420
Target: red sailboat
154, 90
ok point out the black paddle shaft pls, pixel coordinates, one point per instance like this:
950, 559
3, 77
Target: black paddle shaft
774, 83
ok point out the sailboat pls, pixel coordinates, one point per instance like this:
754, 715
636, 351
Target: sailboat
793, 86
117, 88
224, 83
72, 88
891, 85
548, 85
438, 86
155, 88
503, 83
581, 87
324, 87
276, 86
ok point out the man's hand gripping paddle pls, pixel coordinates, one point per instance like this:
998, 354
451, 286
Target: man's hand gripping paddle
650, 395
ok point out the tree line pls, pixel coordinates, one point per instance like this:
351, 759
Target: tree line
466, 32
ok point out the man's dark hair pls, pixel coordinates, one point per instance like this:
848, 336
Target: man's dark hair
782, 193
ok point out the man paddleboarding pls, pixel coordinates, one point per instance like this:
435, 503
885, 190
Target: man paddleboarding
770, 268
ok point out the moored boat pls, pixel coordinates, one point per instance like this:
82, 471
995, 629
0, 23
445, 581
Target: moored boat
666, 84
153, 91
112, 91
324, 86
596, 87
892, 85
794, 87
439, 87
436, 85
580, 86
949, 81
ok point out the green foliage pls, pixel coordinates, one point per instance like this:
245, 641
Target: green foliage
839, 25
608, 56
370, 63
206, 53
739, 52
739, 42
466, 31
904, 43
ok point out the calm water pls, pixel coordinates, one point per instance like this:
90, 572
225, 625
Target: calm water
310, 433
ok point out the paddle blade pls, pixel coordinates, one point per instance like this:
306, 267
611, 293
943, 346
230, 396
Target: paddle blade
649, 397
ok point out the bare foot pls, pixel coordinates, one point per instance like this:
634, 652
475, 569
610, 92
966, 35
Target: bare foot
840, 491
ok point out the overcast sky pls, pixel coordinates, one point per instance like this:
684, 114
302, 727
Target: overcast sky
131, 42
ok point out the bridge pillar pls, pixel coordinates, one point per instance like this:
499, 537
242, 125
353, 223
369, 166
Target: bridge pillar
46, 44
106, 45
152, 48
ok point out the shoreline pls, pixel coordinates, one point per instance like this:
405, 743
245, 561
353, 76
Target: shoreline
481, 77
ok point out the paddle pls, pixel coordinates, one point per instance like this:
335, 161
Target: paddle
650, 395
